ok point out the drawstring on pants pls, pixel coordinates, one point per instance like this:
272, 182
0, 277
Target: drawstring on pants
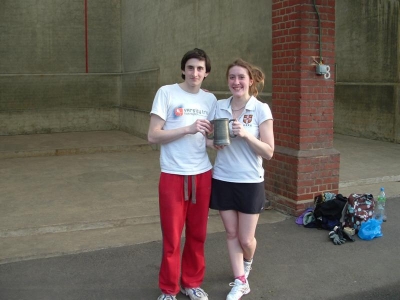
186, 188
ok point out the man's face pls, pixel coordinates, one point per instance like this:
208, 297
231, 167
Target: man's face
195, 72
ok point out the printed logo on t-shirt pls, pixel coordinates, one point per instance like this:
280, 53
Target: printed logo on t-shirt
179, 111
247, 119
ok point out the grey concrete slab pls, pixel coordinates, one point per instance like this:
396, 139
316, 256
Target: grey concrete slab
64, 190
362, 159
107, 235
366, 165
56, 144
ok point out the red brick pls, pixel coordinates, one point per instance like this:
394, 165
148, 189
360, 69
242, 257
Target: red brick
302, 102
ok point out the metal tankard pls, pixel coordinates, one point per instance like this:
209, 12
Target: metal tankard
221, 134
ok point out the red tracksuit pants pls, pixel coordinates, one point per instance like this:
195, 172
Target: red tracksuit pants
175, 214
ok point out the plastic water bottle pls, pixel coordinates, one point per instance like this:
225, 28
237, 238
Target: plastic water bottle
380, 206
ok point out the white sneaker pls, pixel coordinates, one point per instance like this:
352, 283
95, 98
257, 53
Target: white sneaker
166, 297
195, 293
238, 289
247, 267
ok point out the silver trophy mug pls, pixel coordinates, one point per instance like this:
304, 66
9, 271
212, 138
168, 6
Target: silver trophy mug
221, 134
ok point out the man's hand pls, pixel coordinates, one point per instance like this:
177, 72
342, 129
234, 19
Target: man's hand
202, 126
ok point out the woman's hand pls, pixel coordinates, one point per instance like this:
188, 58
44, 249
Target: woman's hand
238, 129
210, 144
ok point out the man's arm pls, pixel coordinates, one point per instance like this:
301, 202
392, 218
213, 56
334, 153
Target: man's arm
157, 135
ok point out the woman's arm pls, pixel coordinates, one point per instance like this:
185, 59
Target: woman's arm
265, 145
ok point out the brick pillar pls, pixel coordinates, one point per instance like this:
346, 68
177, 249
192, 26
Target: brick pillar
305, 162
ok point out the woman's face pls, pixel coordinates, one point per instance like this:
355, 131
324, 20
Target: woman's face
239, 82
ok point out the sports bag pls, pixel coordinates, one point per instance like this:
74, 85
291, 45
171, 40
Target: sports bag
328, 210
360, 208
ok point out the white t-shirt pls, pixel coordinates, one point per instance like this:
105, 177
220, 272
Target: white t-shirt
238, 162
187, 155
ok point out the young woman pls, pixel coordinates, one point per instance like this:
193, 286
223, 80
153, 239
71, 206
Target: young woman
238, 176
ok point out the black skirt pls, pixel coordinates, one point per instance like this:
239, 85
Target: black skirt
247, 198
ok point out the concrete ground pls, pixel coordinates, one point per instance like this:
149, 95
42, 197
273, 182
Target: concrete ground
291, 263
79, 220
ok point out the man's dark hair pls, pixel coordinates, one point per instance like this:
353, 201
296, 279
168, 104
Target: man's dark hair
195, 53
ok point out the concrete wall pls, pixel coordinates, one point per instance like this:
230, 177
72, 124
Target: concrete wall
155, 37
135, 46
44, 86
367, 71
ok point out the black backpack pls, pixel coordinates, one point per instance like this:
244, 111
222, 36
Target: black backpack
328, 210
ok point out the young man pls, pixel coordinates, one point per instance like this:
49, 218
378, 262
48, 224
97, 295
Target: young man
179, 122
